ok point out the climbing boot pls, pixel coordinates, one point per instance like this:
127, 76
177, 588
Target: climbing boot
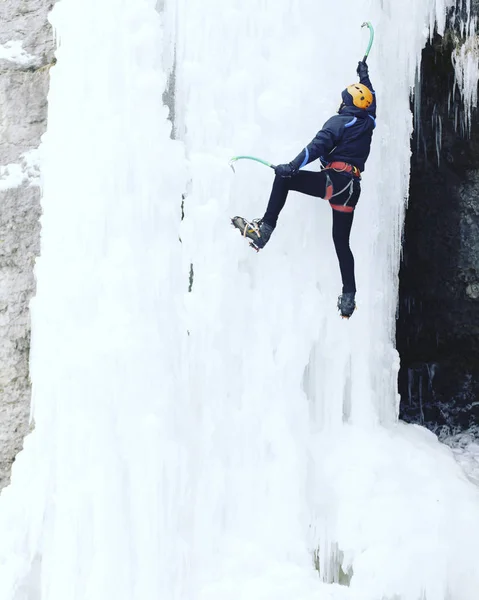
346, 304
257, 231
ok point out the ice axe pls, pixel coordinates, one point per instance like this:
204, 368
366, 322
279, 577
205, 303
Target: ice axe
260, 160
371, 38
367, 24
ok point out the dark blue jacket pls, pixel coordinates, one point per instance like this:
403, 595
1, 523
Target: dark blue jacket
345, 137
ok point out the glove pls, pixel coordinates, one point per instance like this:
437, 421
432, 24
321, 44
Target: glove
286, 170
362, 70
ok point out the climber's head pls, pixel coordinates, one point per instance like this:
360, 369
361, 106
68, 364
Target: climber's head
357, 95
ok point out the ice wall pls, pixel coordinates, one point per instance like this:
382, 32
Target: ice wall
91, 491
210, 443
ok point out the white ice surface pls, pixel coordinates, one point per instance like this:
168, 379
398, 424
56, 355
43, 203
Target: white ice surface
205, 445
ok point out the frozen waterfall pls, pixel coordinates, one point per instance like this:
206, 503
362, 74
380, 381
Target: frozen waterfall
206, 426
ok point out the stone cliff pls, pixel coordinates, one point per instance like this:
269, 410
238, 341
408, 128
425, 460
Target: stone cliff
26, 51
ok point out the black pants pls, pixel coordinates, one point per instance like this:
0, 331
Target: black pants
322, 185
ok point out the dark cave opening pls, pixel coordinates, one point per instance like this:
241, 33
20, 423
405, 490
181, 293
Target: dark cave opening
437, 332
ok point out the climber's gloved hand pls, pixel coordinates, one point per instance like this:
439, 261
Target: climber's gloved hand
286, 170
362, 70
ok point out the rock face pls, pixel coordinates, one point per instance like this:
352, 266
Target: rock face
438, 325
26, 52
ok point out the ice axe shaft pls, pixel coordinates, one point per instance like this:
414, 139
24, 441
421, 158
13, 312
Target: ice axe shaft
371, 38
260, 160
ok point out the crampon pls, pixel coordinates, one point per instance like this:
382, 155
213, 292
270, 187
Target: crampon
257, 232
346, 304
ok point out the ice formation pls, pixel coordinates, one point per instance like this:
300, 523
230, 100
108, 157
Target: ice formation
466, 66
206, 427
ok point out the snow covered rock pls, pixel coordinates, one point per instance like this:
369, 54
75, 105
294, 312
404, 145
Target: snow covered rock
26, 52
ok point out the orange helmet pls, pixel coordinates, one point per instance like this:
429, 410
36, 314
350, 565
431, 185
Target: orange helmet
359, 94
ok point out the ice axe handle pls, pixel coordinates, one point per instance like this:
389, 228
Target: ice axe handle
371, 38
259, 160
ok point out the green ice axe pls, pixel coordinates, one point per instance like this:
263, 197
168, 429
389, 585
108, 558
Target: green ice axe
371, 38
260, 160
367, 24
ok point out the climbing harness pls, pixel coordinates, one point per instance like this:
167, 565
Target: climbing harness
341, 167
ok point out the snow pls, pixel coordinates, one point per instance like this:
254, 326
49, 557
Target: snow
11, 176
14, 174
210, 444
13, 51
465, 447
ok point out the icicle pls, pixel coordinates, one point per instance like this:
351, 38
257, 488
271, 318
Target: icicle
465, 58
410, 384
421, 408
417, 106
437, 129
431, 372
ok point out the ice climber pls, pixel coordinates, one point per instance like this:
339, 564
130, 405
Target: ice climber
342, 146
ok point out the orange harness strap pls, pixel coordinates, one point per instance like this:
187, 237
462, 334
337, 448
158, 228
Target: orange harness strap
341, 208
344, 167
